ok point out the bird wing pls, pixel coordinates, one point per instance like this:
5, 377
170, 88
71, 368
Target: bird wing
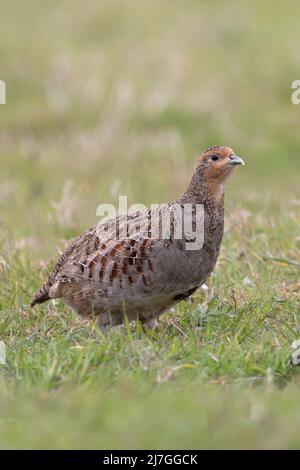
121, 253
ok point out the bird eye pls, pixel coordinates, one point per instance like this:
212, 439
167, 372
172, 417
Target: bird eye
215, 157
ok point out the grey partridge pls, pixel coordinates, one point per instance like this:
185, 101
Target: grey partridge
121, 268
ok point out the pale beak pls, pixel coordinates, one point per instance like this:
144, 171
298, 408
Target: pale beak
235, 160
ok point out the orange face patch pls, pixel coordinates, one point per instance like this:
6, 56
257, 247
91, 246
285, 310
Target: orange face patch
214, 163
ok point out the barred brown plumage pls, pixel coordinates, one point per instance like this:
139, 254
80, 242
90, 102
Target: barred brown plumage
111, 271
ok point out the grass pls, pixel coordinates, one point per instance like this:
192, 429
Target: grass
120, 100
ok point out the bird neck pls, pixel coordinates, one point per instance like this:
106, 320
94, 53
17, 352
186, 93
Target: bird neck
203, 191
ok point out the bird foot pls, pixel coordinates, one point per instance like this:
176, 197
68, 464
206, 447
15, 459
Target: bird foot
152, 323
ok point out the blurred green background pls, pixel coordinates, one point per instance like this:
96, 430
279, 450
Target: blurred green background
121, 97
108, 98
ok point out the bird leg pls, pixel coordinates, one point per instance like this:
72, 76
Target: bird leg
105, 320
151, 323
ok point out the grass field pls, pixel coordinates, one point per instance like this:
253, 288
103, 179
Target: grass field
108, 98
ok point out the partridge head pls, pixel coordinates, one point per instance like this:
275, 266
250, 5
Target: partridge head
212, 170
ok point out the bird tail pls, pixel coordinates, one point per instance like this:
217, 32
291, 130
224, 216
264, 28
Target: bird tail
42, 295
51, 289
